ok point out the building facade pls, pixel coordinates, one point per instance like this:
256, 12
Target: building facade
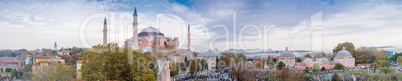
345, 58
287, 57
40, 62
323, 62
10, 62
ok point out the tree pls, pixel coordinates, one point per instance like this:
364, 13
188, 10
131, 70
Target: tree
27, 68
387, 70
186, 61
284, 73
399, 60
306, 70
258, 63
8, 69
335, 77
385, 63
204, 64
395, 56
270, 63
114, 63
275, 60
56, 72
339, 66
195, 54
194, 66
14, 73
217, 63
183, 66
323, 69
281, 65
307, 56
369, 55
377, 64
299, 59
229, 58
316, 68
348, 46
174, 69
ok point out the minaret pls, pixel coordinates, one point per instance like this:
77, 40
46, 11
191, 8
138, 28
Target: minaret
55, 46
188, 38
104, 33
135, 29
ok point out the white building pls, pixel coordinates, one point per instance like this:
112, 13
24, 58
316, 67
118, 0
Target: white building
210, 56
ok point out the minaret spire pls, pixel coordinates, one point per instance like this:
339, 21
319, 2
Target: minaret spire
135, 11
135, 29
105, 32
55, 46
188, 37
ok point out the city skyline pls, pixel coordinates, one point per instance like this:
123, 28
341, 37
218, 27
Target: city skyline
37, 24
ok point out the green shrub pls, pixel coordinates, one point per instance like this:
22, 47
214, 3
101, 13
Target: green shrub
386, 70
8, 69
335, 77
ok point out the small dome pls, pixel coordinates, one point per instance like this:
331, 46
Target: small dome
150, 29
286, 53
323, 59
343, 52
307, 60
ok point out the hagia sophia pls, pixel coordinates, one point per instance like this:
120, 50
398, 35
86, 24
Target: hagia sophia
148, 38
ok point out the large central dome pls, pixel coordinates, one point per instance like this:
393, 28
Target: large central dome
150, 31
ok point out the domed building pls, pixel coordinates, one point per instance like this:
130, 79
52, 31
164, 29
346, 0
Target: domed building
344, 57
309, 63
288, 58
151, 35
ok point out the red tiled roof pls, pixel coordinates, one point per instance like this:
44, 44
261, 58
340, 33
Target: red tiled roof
40, 56
362, 64
66, 51
56, 58
43, 61
9, 59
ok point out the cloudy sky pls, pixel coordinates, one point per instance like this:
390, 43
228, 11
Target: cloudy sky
215, 24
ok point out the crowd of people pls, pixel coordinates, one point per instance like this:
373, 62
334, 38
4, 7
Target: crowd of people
209, 76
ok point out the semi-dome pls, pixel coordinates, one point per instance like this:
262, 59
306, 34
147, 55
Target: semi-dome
286, 53
307, 60
343, 52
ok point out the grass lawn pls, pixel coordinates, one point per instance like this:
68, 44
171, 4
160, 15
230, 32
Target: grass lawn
4, 72
400, 77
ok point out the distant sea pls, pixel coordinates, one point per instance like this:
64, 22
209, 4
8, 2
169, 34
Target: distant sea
275, 54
